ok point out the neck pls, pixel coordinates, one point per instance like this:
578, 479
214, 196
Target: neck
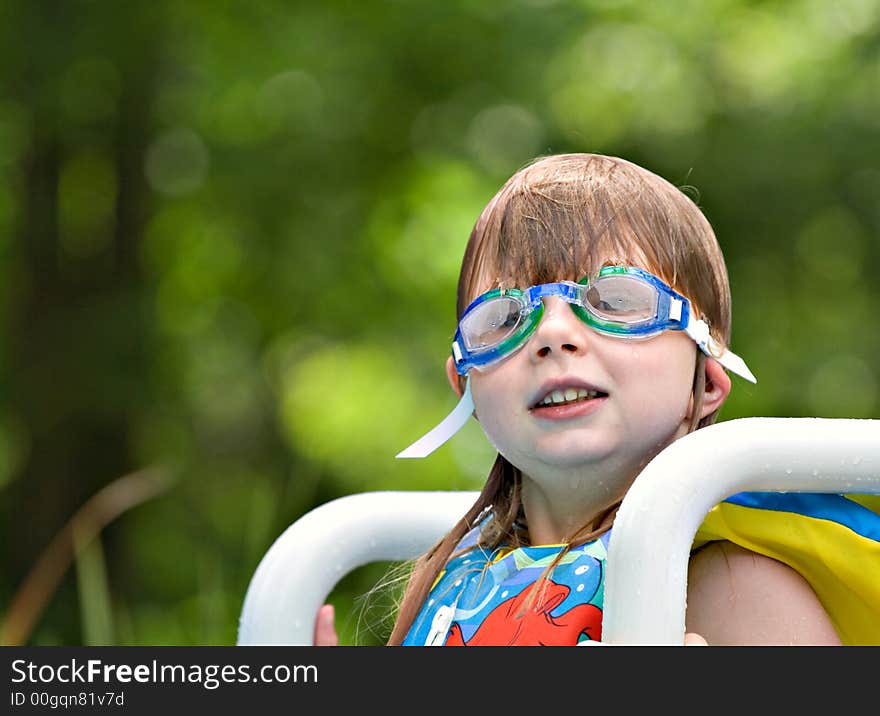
563, 503
562, 516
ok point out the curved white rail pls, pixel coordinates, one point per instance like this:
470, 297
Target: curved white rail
315, 552
644, 596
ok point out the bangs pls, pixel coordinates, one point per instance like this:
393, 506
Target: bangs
541, 237
563, 247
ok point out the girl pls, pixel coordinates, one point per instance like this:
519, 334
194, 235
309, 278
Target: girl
594, 330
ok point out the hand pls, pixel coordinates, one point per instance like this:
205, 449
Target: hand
325, 629
694, 639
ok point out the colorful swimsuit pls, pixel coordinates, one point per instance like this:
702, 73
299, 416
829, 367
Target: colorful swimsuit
832, 540
476, 599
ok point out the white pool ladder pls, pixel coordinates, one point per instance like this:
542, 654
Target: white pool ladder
644, 595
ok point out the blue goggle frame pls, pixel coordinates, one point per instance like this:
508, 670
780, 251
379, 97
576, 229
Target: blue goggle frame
670, 311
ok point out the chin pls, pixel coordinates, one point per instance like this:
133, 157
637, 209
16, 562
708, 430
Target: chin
571, 460
573, 449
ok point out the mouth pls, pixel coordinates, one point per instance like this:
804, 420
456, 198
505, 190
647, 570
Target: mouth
561, 394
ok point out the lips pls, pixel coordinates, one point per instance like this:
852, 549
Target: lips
563, 392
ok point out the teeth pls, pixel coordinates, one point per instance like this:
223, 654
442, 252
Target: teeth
569, 395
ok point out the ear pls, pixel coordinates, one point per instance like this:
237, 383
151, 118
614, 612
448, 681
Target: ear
453, 377
717, 387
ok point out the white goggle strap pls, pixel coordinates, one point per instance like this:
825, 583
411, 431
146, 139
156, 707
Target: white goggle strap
699, 331
450, 425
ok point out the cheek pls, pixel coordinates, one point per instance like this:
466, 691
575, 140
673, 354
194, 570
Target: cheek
488, 401
662, 380
495, 409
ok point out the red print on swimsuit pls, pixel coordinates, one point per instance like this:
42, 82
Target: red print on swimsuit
508, 625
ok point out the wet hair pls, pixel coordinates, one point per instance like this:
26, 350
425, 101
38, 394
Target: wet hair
563, 217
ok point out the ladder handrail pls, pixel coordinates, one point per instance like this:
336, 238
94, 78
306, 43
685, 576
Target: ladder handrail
307, 560
644, 596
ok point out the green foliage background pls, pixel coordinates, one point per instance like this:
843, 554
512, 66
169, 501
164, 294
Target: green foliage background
230, 234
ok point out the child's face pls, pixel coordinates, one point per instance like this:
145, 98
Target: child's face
644, 398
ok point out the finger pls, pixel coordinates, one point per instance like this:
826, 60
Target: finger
694, 639
325, 628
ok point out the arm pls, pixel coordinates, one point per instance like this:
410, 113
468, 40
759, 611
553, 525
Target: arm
738, 597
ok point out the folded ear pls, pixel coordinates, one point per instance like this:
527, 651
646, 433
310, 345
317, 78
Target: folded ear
453, 377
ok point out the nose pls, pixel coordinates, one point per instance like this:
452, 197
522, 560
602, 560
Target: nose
560, 331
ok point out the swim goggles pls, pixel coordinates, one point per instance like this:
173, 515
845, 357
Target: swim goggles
622, 301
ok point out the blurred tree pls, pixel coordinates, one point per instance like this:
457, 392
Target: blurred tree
78, 336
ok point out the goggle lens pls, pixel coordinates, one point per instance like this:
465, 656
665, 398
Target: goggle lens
491, 323
621, 299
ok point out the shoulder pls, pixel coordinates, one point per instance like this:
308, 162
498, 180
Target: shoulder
725, 565
736, 596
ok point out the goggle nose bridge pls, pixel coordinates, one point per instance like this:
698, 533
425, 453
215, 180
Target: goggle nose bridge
568, 291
